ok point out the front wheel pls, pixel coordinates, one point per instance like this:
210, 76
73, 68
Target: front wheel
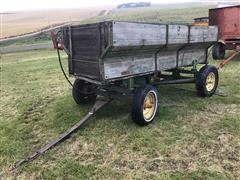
83, 92
207, 81
144, 105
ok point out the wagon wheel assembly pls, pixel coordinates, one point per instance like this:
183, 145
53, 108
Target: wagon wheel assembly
83, 92
144, 105
207, 81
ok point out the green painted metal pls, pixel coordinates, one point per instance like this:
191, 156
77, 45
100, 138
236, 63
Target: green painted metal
194, 69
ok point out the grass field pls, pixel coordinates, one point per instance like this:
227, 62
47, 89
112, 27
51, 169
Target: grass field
154, 15
191, 138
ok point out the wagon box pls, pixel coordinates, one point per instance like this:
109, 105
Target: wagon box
110, 51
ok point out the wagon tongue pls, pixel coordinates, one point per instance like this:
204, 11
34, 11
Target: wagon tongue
226, 61
97, 106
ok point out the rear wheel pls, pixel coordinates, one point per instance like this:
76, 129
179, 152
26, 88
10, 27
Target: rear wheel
83, 92
218, 51
144, 105
207, 81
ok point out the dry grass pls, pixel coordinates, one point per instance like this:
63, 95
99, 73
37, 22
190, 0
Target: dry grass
29, 21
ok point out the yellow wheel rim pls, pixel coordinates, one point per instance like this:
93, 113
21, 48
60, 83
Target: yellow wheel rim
210, 81
149, 106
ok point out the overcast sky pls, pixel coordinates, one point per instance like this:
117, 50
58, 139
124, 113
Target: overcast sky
16, 5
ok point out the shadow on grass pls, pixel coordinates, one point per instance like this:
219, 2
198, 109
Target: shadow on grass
115, 118
175, 107
173, 101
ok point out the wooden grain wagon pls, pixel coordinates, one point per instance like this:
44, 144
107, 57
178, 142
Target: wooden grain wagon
118, 59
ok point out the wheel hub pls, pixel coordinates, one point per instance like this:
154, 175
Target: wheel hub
149, 105
210, 81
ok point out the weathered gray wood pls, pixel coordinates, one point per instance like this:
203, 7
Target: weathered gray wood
166, 60
117, 67
126, 49
203, 34
177, 34
175, 49
187, 56
136, 34
126, 66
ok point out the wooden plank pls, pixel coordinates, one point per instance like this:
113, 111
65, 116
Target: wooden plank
203, 34
126, 66
177, 34
168, 59
138, 34
187, 56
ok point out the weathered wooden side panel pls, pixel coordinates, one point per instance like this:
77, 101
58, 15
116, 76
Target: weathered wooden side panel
118, 67
177, 34
168, 59
200, 34
188, 55
136, 34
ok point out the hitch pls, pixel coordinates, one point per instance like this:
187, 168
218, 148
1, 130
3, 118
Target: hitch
56, 43
226, 61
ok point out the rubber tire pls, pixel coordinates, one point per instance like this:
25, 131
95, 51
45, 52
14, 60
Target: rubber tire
218, 51
79, 97
137, 104
201, 81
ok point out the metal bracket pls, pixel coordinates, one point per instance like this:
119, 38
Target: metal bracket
194, 63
